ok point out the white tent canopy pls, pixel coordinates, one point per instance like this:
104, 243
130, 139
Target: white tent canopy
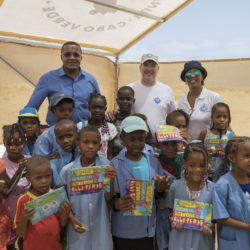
110, 26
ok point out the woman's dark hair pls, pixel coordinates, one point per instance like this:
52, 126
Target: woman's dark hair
218, 105
10, 130
176, 113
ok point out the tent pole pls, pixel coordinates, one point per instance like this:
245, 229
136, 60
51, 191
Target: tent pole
116, 80
18, 71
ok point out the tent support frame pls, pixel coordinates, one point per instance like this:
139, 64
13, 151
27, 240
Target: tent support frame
17, 71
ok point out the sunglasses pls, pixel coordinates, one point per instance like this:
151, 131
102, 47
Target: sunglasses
68, 54
189, 75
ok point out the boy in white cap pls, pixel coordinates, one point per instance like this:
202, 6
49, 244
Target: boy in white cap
134, 232
152, 98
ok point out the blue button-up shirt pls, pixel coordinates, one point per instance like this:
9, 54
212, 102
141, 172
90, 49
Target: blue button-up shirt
57, 80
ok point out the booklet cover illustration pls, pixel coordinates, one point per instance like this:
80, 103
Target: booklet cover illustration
141, 191
89, 180
47, 204
193, 215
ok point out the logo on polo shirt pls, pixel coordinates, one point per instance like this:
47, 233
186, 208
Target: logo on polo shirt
203, 108
157, 100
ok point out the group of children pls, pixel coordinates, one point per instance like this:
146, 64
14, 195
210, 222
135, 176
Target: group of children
200, 171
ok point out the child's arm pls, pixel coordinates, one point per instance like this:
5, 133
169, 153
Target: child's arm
111, 173
65, 210
22, 226
234, 223
202, 135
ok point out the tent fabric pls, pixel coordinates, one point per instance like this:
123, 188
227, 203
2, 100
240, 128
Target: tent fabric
89, 23
230, 78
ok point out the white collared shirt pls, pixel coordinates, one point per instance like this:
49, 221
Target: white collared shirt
200, 115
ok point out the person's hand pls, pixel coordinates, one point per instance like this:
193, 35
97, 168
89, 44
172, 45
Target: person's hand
211, 151
65, 208
54, 155
110, 172
186, 136
207, 229
124, 203
162, 183
77, 225
111, 114
27, 213
22, 165
177, 226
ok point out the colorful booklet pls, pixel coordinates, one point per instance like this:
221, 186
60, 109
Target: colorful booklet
218, 145
89, 180
193, 215
142, 192
47, 204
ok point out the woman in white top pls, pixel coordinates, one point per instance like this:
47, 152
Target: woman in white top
198, 102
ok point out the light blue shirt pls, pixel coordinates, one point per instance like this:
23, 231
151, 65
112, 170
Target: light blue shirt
140, 168
91, 210
57, 80
229, 201
58, 163
132, 227
189, 239
46, 143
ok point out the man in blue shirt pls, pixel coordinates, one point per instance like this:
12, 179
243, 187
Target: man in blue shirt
69, 79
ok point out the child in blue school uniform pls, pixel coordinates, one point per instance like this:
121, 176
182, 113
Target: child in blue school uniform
221, 119
89, 210
66, 135
194, 187
134, 232
168, 141
231, 199
61, 105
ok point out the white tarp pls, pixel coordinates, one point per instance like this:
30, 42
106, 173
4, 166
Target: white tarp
89, 23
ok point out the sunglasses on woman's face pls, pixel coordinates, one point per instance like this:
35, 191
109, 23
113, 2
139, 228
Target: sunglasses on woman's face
195, 73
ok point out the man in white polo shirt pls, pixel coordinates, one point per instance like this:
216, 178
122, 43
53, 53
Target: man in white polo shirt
152, 98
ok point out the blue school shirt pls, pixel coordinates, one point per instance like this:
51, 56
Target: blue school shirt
189, 239
229, 201
46, 143
79, 89
163, 224
132, 227
91, 210
58, 163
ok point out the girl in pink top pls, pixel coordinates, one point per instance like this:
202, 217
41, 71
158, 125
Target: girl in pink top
14, 139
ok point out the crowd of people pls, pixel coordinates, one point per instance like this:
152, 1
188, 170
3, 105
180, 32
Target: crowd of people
191, 154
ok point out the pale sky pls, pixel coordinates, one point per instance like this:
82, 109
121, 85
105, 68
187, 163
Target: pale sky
206, 29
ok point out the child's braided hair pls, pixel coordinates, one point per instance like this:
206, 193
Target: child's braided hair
233, 146
10, 130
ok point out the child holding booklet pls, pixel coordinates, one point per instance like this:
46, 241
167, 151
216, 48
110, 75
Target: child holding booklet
231, 197
89, 210
194, 187
45, 234
134, 232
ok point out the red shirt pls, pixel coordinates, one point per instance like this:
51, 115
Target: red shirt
45, 234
